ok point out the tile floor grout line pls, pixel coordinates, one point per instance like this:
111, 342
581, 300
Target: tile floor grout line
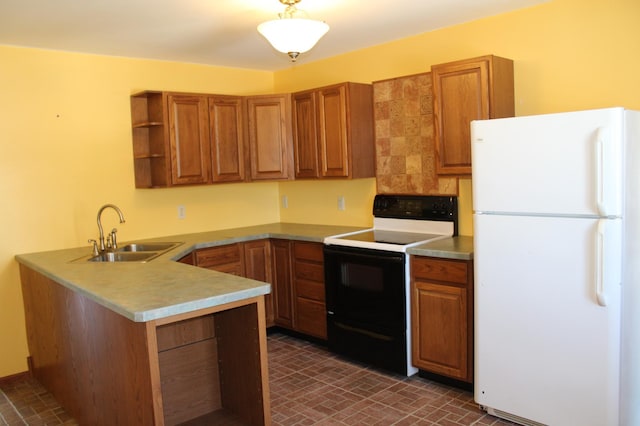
14, 408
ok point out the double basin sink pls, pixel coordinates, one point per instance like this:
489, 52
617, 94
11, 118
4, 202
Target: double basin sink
133, 252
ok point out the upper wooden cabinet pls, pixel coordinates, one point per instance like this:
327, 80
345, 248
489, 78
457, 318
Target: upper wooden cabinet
333, 132
472, 89
186, 139
151, 153
226, 135
305, 137
269, 136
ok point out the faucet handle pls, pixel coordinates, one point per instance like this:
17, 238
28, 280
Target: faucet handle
114, 242
95, 251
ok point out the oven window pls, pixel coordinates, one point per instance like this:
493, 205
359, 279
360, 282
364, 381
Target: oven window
362, 277
365, 287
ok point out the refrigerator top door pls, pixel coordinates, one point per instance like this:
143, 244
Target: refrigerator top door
554, 164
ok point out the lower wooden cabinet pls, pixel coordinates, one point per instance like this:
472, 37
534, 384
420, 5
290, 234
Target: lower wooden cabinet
442, 316
295, 270
257, 266
308, 288
251, 259
282, 289
228, 258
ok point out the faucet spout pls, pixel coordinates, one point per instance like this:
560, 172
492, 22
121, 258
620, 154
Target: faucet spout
121, 216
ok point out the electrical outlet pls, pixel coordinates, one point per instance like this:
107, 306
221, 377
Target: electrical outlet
285, 202
182, 212
341, 205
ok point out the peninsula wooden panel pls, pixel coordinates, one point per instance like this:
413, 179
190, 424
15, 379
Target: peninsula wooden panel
190, 381
94, 361
185, 332
243, 372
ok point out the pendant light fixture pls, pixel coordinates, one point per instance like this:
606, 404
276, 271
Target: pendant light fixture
293, 33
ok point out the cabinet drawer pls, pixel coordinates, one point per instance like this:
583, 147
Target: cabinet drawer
309, 271
184, 332
453, 271
311, 318
308, 251
310, 289
214, 256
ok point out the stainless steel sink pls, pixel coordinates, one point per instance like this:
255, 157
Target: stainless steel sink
142, 247
123, 256
132, 252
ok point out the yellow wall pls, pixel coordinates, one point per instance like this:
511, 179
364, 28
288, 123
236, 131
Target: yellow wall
65, 131
66, 141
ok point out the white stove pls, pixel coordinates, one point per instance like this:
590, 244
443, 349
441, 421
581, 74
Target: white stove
367, 278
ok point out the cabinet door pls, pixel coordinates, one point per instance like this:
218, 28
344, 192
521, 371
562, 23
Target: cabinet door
473, 89
269, 137
332, 131
257, 266
189, 139
282, 285
442, 316
440, 344
305, 136
461, 94
226, 135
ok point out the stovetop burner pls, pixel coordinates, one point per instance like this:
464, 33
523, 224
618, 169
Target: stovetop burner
390, 237
402, 221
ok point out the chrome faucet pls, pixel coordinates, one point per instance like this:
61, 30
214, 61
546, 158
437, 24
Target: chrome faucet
113, 233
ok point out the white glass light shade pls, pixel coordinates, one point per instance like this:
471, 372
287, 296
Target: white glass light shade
293, 35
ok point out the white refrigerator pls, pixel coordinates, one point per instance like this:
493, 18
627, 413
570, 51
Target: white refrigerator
556, 267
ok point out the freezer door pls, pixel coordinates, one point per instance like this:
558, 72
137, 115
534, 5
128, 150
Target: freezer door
546, 349
569, 163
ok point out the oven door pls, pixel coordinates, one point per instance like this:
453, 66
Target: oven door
365, 301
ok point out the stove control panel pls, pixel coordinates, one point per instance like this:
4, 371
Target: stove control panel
421, 207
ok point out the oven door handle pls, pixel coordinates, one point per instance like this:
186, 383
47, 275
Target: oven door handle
372, 334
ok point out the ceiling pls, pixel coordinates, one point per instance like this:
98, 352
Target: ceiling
223, 32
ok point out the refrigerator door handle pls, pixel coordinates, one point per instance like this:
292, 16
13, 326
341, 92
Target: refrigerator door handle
600, 158
599, 263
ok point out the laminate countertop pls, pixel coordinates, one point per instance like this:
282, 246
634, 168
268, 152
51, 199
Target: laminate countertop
163, 287
460, 247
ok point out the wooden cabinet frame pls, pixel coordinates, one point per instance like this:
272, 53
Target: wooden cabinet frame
333, 132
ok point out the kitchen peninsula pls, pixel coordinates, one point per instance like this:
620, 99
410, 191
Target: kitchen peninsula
160, 342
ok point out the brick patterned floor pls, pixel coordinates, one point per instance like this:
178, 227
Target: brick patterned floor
309, 386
